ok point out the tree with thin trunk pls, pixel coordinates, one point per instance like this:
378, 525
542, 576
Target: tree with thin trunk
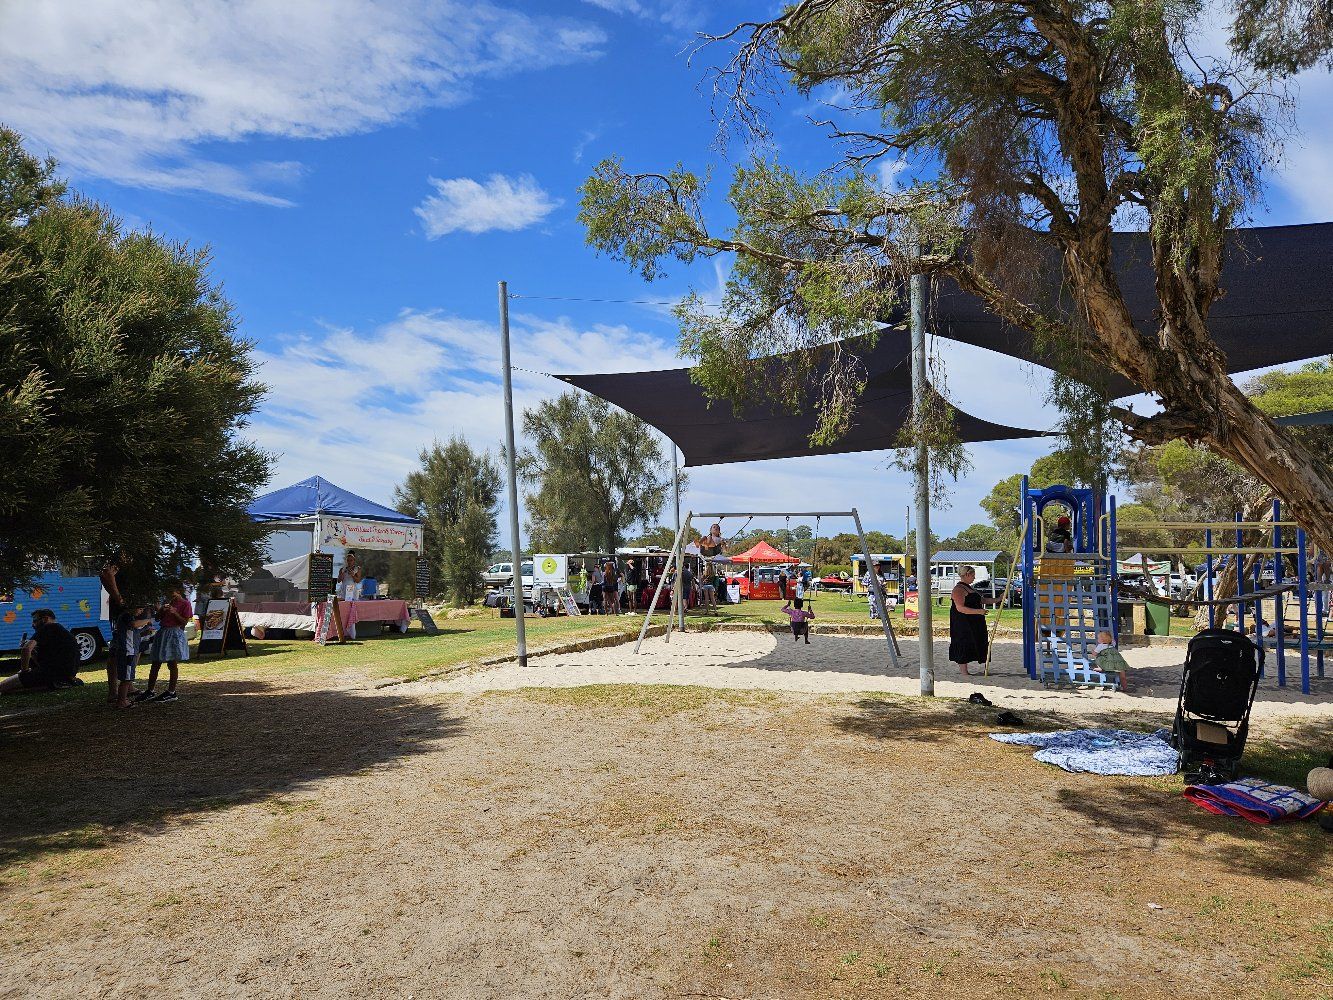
456, 494
596, 472
1045, 122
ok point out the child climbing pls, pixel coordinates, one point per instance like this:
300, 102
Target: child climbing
1109, 660
800, 619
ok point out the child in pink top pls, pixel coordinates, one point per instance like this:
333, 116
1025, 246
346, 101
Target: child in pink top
800, 619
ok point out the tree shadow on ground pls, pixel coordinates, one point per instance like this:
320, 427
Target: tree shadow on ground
90, 775
1295, 852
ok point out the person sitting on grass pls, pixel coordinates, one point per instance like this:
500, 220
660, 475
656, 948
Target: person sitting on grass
48, 660
1110, 660
169, 645
126, 639
800, 619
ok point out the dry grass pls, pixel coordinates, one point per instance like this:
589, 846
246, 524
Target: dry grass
277, 839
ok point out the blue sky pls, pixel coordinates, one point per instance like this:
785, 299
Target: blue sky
367, 170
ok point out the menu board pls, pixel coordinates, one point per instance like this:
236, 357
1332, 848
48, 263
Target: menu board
423, 578
221, 629
320, 580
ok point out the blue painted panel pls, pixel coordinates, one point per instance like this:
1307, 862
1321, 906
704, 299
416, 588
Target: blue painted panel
76, 600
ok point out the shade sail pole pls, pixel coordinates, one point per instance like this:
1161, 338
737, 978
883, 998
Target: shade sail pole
511, 463
675, 497
925, 632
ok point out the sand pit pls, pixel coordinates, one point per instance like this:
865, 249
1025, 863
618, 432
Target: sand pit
848, 664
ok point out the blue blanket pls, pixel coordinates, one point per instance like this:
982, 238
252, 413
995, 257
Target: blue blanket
1101, 751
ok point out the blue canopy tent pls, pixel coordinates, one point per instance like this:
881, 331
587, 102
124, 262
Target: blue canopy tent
316, 497
335, 518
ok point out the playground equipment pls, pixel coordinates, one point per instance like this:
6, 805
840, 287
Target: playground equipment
1068, 597
677, 553
1288, 558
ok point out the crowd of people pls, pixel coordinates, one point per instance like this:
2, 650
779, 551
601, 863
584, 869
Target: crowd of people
134, 625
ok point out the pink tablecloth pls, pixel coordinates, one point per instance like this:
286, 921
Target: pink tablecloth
352, 612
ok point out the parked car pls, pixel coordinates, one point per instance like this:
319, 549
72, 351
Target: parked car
995, 589
502, 575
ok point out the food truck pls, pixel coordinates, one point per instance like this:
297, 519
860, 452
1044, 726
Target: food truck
79, 602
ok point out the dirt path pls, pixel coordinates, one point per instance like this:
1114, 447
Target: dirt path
621, 842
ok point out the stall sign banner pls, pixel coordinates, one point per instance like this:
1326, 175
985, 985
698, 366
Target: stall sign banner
353, 534
550, 569
910, 605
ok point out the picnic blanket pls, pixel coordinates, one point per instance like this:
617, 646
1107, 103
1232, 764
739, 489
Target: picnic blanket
1254, 799
1101, 751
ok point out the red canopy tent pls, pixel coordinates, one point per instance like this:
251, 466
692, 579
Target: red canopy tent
763, 587
762, 552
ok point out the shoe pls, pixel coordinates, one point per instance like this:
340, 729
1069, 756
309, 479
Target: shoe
167, 696
143, 696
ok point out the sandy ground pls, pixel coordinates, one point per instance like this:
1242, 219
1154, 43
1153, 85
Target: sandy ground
308, 837
846, 664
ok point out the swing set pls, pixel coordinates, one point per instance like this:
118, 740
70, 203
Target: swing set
678, 553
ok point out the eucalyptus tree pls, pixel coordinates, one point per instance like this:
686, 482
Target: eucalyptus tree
1043, 123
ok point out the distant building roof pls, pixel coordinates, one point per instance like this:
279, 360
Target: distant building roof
965, 555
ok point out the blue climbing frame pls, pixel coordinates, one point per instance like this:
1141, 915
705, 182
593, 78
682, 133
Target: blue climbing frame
1078, 590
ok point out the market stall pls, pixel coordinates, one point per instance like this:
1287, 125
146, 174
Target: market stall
764, 567
338, 523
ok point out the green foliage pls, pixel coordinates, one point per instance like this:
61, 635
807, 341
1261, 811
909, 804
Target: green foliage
123, 391
455, 493
597, 472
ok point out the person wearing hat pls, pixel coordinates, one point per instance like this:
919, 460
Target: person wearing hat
1062, 538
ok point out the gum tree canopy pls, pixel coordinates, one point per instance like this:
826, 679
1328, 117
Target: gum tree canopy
1042, 123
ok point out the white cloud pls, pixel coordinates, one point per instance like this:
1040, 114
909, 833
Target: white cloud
130, 92
503, 203
682, 14
357, 406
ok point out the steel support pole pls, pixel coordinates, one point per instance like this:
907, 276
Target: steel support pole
675, 499
919, 390
511, 461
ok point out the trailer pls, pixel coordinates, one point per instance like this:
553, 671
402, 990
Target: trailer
80, 604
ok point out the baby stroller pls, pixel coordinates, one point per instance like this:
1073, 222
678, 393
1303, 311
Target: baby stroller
1216, 695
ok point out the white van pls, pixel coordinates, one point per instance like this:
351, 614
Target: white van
944, 577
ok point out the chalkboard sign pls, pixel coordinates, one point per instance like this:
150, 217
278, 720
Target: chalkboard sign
320, 579
423, 578
221, 629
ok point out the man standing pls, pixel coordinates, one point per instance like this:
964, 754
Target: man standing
49, 659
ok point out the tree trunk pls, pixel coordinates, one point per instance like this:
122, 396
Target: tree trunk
1200, 403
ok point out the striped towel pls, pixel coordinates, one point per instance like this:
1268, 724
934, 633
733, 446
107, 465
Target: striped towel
1255, 800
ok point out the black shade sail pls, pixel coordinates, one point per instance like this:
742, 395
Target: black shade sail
1278, 305
715, 435
1278, 308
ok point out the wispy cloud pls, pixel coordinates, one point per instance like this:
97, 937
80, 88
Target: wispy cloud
588, 137
501, 202
131, 92
357, 405
684, 14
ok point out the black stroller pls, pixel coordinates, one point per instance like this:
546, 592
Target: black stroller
1216, 695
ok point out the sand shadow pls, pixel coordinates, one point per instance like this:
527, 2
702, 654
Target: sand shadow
89, 775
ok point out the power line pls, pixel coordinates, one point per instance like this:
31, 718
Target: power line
624, 302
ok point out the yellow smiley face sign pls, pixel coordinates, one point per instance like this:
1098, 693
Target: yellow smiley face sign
548, 566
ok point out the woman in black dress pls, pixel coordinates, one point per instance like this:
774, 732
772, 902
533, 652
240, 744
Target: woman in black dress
967, 623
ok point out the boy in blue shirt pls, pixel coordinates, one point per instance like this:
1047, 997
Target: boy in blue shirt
126, 639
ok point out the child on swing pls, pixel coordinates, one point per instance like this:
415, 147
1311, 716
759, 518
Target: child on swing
800, 617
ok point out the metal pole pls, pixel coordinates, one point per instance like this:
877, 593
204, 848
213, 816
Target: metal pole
675, 499
511, 460
879, 594
657, 593
919, 390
